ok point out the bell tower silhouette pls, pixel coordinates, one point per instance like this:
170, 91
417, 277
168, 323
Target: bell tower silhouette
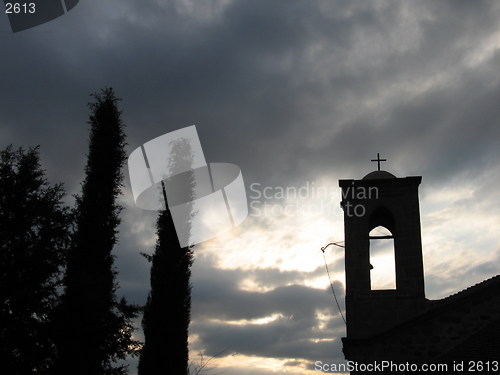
382, 199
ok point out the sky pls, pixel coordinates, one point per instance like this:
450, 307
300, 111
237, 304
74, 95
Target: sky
298, 94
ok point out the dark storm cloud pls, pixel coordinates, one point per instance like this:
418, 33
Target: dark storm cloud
284, 338
217, 295
213, 286
265, 80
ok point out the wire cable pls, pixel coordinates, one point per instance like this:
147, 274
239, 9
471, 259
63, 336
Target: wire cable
330, 279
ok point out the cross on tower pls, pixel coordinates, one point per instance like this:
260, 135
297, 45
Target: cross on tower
378, 160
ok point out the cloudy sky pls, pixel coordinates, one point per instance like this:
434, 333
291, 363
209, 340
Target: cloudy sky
297, 94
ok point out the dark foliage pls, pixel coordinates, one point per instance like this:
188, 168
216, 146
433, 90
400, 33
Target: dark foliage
167, 312
33, 238
95, 327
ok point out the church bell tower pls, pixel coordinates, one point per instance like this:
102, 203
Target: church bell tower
382, 199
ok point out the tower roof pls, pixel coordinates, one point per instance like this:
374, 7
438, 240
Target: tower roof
378, 175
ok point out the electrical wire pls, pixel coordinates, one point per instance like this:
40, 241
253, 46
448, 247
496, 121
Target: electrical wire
329, 277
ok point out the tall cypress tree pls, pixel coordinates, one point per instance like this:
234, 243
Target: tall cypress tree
33, 238
95, 327
167, 311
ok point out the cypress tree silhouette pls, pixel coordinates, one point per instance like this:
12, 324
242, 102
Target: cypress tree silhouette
168, 307
95, 328
33, 238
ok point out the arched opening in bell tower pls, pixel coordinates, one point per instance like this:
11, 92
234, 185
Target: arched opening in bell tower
382, 250
382, 259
